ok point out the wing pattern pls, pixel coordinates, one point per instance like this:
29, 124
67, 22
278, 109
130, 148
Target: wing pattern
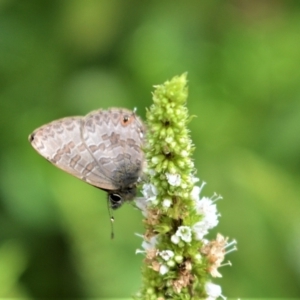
103, 148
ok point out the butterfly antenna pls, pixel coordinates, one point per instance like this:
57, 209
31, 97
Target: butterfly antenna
112, 219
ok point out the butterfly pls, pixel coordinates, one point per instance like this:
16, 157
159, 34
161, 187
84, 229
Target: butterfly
103, 148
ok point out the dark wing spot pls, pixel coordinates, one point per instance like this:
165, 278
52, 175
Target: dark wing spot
31, 137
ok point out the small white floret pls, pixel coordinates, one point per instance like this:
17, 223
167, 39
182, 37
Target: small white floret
173, 179
163, 269
175, 239
166, 254
185, 233
166, 203
213, 291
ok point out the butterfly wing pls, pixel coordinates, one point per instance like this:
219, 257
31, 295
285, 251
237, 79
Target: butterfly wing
61, 143
114, 139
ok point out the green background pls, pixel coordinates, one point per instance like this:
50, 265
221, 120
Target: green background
67, 57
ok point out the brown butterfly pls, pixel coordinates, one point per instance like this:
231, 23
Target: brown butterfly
102, 148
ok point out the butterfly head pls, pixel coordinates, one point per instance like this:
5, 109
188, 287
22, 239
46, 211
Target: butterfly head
117, 198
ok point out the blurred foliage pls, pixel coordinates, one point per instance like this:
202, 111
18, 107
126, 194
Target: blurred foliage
62, 58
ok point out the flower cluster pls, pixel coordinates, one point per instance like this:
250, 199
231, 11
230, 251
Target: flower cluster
179, 260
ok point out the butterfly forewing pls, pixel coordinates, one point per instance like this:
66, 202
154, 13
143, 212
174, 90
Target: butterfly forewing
60, 142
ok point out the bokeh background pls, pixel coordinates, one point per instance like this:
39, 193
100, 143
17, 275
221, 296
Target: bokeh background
67, 57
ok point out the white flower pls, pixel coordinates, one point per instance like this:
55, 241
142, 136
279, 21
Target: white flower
166, 203
200, 229
175, 239
147, 245
163, 269
208, 210
138, 251
206, 207
213, 291
195, 179
166, 254
150, 192
195, 193
173, 179
151, 243
185, 233
141, 204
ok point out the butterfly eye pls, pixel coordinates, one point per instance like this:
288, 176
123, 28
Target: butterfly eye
115, 200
